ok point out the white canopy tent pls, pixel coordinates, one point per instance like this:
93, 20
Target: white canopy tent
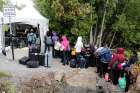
29, 15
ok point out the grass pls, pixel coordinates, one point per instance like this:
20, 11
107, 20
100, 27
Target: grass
7, 87
4, 74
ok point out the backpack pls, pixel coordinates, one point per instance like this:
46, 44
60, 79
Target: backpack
48, 40
122, 83
106, 55
31, 38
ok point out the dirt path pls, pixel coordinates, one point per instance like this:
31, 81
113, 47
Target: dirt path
85, 78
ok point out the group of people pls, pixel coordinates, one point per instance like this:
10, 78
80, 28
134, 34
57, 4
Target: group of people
61, 45
113, 64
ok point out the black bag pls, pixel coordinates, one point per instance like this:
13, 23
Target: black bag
34, 49
32, 64
34, 56
73, 63
42, 59
82, 62
24, 60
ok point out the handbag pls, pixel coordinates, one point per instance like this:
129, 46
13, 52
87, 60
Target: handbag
57, 46
73, 52
62, 47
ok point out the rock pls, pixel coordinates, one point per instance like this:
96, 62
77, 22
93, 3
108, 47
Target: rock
138, 83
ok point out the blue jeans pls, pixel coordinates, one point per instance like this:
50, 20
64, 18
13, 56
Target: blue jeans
65, 57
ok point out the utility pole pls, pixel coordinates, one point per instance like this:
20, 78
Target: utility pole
9, 11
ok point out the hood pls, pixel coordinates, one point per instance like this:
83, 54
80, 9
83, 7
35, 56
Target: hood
54, 33
64, 38
120, 50
79, 39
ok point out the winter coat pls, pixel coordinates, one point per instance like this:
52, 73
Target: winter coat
54, 37
65, 43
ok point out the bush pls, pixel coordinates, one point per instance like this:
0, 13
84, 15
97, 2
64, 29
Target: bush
7, 87
4, 74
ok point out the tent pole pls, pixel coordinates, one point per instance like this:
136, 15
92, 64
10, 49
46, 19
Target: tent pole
11, 38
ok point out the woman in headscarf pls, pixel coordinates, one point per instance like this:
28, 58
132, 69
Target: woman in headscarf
78, 46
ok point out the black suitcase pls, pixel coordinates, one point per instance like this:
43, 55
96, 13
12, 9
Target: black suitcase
32, 64
41, 59
34, 56
24, 60
73, 63
34, 49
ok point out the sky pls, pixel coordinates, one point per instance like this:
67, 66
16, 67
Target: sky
22, 2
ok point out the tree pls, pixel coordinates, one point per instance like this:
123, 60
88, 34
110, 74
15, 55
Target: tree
71, 17
127, 25
1, 4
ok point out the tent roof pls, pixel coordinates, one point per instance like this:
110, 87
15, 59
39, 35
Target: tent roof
29, 12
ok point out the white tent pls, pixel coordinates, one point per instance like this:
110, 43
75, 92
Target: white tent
29, 15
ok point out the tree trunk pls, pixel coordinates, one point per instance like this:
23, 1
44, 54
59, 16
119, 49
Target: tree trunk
91, 36
102, 26
112, 40
95, 32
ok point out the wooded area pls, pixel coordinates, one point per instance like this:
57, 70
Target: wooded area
115, 22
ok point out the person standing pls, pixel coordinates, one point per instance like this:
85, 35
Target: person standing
54, 40
65, 46
78, 47
48, 41
31, 37
105, 58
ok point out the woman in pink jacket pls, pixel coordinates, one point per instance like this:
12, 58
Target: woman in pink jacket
65, 48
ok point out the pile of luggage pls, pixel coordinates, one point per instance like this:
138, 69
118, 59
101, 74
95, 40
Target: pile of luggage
35, 58
81, 60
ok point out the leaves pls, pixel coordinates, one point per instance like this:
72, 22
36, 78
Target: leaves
70, 17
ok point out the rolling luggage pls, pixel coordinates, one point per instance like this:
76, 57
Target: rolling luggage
32, 64
33, 49
34, 56
24, 60
48, 59
73, 63
41, 59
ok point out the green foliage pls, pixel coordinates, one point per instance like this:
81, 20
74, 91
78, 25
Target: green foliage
70, 17
1, 4
76, 17
128, 24
7, 87
4, 74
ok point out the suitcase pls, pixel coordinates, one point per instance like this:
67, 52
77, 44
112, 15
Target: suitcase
32, 64
34, 49
48, 59
34, 56
24, 60
82, 62
41, 59
73, 63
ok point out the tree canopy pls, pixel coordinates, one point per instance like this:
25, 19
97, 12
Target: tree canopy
115, 22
